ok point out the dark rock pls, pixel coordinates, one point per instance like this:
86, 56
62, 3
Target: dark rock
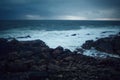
107, 31
103, 45
73, 34
26, 54
37, 43
67, 51
38, 75
57, 51
79, 50
53, 67
3, 46
119, 33
28, 36
17, 67
13, 56
88, 44
69, 58
107, 44
2, 40
34, 60
88, 34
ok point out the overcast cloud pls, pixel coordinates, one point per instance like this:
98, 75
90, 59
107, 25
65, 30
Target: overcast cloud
60, 9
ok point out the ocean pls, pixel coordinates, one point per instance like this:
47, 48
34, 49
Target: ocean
70, 34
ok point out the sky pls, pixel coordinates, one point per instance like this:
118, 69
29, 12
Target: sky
60, 9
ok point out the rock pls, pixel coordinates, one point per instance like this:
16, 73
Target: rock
69, 58
73, 34
14, 42
67, 51
34, 43
88, 34
16, 67
13, 56
57, 51
37, 43
41, 75
107, 44
53, 67
107, 31
34, 60
26, 54
103, 45
3, 46
3, 40
79, 50
28, 36
88, 44
119, 34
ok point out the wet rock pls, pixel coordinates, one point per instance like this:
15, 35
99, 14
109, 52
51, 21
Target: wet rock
3, 40
108, 44
104, 45
79, 50
67, 51
88, 34
34, 60
57, 51
28, 36
37, 43
107, 31
88, 44
73, 34
118, 33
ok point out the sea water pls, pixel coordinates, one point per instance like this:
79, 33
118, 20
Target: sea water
70, 34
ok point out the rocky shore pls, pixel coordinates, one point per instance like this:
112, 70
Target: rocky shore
34, 60
109, 44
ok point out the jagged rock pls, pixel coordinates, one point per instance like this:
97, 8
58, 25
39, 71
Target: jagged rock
57, 51
108, 44
3, 40
88, 44
67, 51
34, 60
79, 50
3, 46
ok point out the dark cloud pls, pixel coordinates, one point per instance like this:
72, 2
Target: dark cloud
59, 9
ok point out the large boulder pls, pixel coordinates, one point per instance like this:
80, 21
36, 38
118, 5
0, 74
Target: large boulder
88, 44
57, 51
107, 44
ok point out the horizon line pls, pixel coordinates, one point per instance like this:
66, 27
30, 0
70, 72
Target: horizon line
54, 20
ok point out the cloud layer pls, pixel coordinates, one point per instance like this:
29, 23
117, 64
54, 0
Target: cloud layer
60, 9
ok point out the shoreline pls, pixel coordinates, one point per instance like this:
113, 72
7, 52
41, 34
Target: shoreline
34, 60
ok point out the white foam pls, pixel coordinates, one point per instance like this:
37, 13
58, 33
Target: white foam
94, 53
62, 38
